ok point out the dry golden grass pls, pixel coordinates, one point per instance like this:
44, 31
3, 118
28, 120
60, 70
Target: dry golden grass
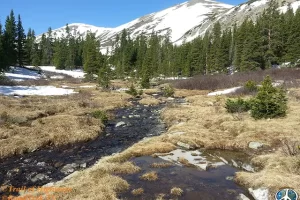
184, 161
97, 182
205, 123
161, 165
160, 196
176, 191
149, 176
29, 123
151, 91
149, 101
187, 93
137, 192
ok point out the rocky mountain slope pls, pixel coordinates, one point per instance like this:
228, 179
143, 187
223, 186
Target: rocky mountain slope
183, 22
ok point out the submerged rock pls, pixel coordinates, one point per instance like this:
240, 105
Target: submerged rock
40, 177
255, 145
69, 168
120, 124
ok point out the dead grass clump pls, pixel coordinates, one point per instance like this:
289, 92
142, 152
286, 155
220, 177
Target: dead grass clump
149, 101
290, 147
116, 168
176, 191
149, 176
137, 192
184, 161
161, 165
187, 93
160, 196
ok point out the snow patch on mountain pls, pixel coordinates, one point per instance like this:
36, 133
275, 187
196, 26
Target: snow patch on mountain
294, 5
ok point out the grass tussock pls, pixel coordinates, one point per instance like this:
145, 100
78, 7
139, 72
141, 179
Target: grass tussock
149, 101
137, 192
149, 176
290, 76
161, 165
184, 162
176, 191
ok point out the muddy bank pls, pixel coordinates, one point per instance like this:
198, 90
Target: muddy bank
129, 126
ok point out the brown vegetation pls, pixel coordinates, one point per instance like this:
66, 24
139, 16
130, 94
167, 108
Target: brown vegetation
176, 191
137, 192
149, 176
149, 101
161, 165
32, 122
221, 81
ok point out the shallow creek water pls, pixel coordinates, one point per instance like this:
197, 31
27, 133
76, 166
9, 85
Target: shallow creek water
135, 123
213, 183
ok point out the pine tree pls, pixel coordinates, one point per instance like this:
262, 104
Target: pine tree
2, 55
21, 39
91, 55
29, 45
10, 35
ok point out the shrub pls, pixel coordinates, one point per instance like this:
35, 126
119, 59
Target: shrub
99, 114
237, 106
270, 102
168, 91
133, 91
250, 86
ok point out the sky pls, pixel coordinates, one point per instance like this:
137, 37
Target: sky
42, 14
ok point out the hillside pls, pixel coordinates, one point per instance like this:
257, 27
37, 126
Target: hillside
183, 22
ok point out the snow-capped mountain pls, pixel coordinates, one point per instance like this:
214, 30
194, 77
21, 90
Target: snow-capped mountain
183, 22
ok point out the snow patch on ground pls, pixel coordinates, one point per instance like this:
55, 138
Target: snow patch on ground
196, 160
78, 73
22, 74
227, 91
34, 90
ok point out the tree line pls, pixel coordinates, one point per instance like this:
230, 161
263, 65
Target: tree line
272, 39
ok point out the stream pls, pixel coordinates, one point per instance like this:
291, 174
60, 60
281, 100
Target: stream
130, 125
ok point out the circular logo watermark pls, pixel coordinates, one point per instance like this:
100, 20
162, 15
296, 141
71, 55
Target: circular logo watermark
286, 194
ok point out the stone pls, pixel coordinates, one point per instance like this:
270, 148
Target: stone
242, 197
248, 167
83, 165
41, 164
234, 163
120, 124
58, 164
39, 177
137, 116
260, 193
184, 145
255, 145
170, 99
229, 178
69, 168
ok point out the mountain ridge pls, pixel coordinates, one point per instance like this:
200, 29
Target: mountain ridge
182, 22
